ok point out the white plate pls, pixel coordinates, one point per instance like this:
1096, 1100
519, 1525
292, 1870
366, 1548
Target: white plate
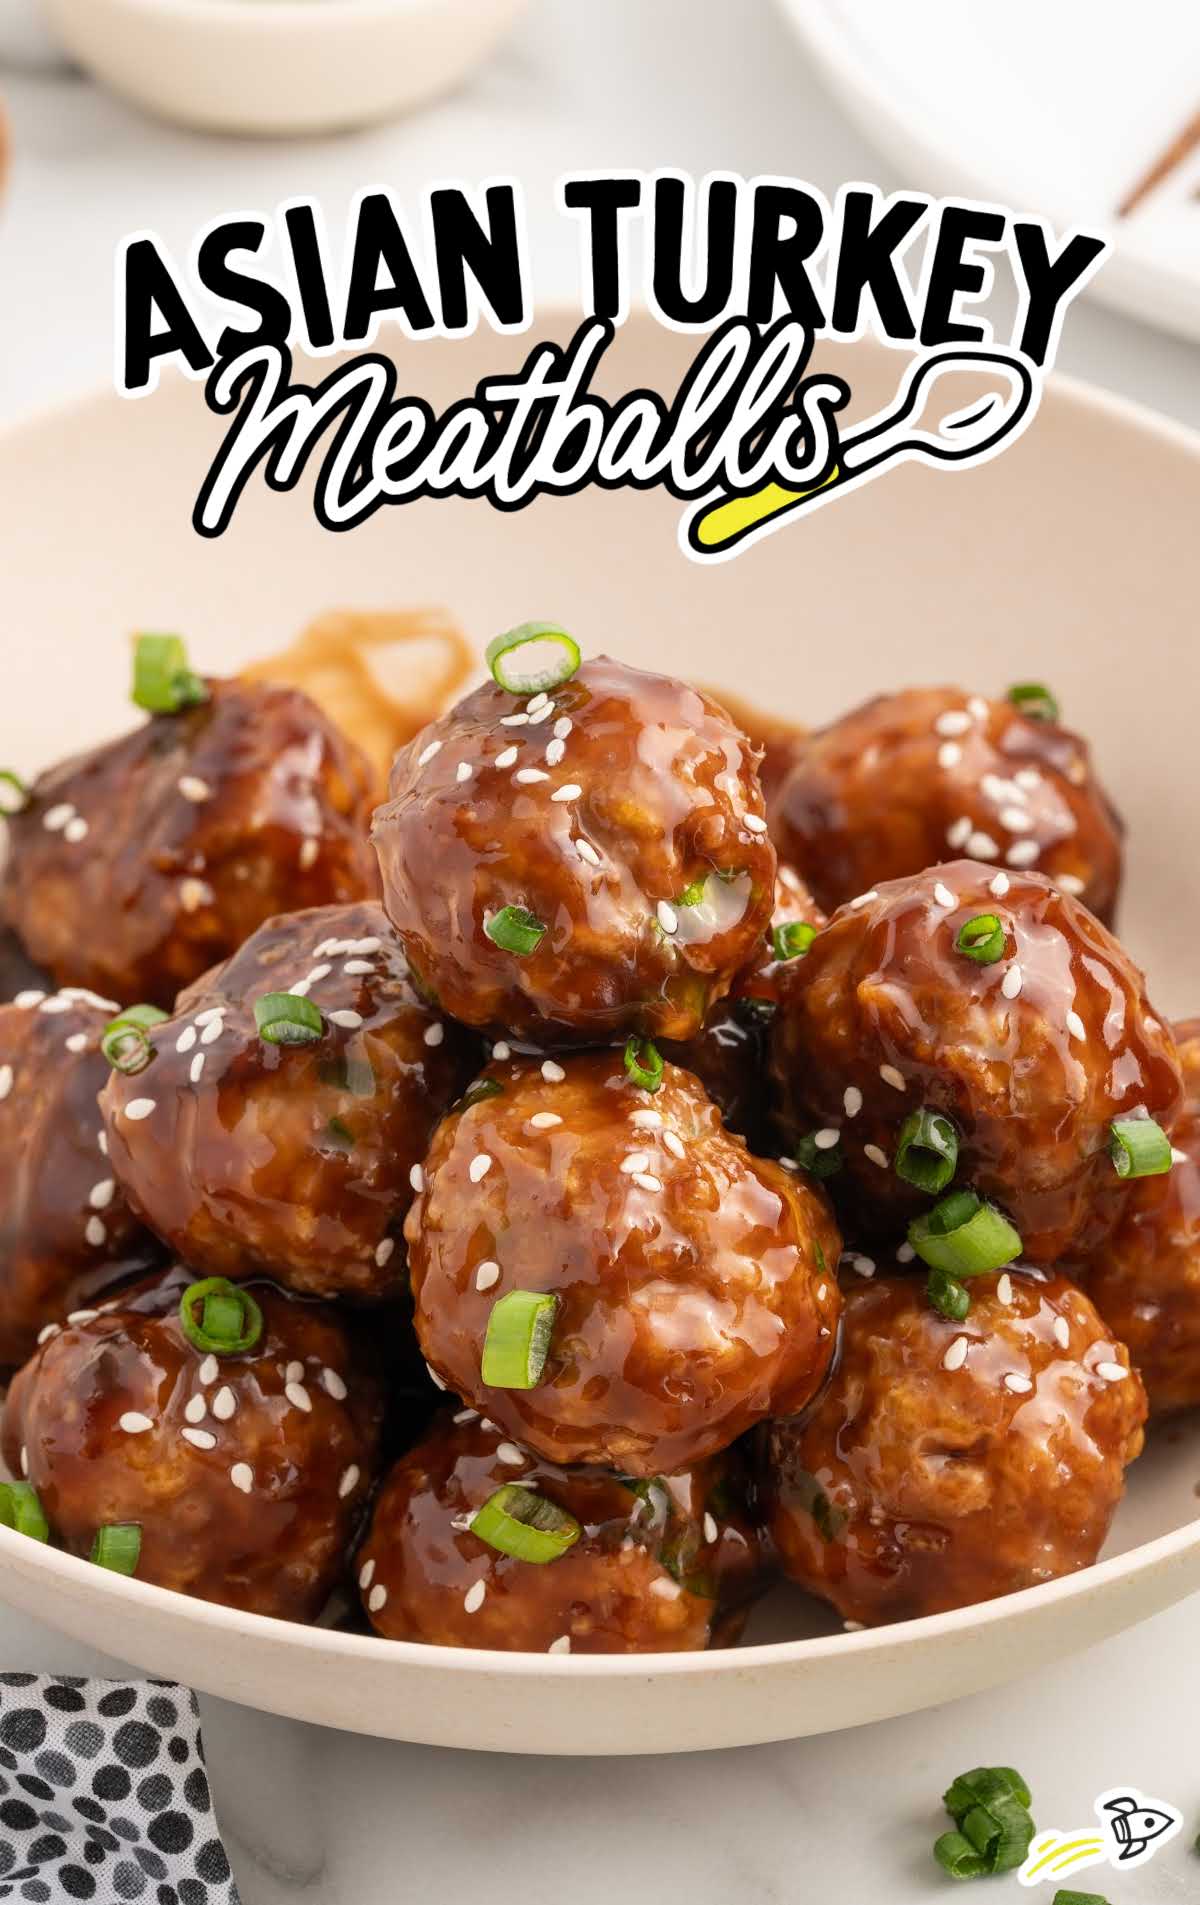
1072, 558
1058, 110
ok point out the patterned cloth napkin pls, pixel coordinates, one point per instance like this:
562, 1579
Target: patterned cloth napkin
103, 1794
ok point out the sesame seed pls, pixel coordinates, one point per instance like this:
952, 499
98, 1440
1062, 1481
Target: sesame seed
210, 1369
309, 849
668, 918
710, 1528
193, 894
199, 1438
981, 846
134, 1423
956, 1355
541, 714
754, 823
224, 1403
977, 706
1022, 853
552, 1072
905, 1253
76, 830
434, 1034
349, 1481
648, 1120
55, 818
365, 1574
377, 1599
349, 1021
45, 1334
647, 1181
852, 1099
242, 1476
536, 701
78, 1042
571, 791
562, 727
501, 1050
544, 1120
354, 968
863, 1266
876, 1156
943, 895
212, 1032
473, 1598
101, 1195
187, 1038
953, 721
196, 1068
635, 1161
466, 1415
1062, 1332
959, 832
27, 1000
95, 1233
463, 772
82, 1316
102, 1143
1072, 884
479, 1167
209, 1013
487, 1274
894, 1078
1004, 1288
674, 1144
554, 753
560, 1646
195, 1409
826, 1138
853, 1627
294, 1372
434, 1378
507, 758
139, 1108
1016, 820
427, 754
300, 990
193, 788
1020, 1385
587, 851
529, 776
1075, 1025
1012, 981
511, 1455
1112, 1372
58, 1002
666, 1590
320, 972
513, 720
949, 754
864, 899
333, 1385
298, 1396
1177, 1156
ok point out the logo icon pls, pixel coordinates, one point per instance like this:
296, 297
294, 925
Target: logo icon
1132, 1828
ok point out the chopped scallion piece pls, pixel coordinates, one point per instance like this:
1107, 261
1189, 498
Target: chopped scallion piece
693, 894
819, 1161
118, 1546
792, 941
162, 681
1068, 1897
990, 1808
283, 1018
983, 1784
532, 658
515, 930
21, 1509
948, 1295
518, 1339
14, 793
479, 1092
1034, 699
981, 939
125, 1041
520, 1522
958, 1857
964, 1236
230, 1321
1139, 1148
927, 1150
643, 1062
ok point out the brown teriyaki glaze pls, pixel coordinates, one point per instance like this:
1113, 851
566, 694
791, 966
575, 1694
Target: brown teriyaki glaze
947, 1463
246, 1474
294, 1160
138, 865
660, 1566
595, 809
925, 775
696, 1284
1032, 1056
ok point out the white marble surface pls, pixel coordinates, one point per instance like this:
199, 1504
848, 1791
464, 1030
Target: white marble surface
336, 1819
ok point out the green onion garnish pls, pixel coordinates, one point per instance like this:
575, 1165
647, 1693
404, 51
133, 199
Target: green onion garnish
958, 1857
1034, 699
125, 1042
482, 1089
643, 1062
162, 681
522, 1523
518, 1339
515, 930
230, 1320
819, 1160
693, 894
948, 1295
792, 940
927, 1150
983, 1784
533, 657
1068, 1897
990, 1809
284, 1019
981, 939
1138, 1147
21, 1509
118, 1546
14, 793
964, 1236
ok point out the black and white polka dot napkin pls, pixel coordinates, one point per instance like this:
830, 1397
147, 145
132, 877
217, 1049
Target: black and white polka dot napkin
104, 1796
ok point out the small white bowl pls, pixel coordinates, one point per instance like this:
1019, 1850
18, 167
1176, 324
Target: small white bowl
277, 67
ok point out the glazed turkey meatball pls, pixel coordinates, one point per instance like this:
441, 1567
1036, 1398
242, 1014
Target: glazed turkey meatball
248, 1155
1031, 1056
691, 1294
247, 1474
912, 778
580, 865
656, 1566
66, 1231
1145, 1280
947, 1463
137, 866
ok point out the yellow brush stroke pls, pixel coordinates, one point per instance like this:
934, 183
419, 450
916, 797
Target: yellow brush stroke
1063, 1846
736, 514
1068, 1861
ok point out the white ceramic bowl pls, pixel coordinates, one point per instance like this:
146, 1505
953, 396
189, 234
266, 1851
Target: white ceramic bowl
280, 66
1072, 558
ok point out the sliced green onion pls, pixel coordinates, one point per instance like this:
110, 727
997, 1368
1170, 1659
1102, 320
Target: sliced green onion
643, 1062
958, 1857
927, 1150
1068, 1897
964, 1236
1034, 699
693, 894
21, 1509
118, 1546
283, 1018
125, 1042
518, 1339
982, 1785
1000, 1832
981, 939
520, 1522
515, 930
820, 1161
792, 940
990, 1807
341, 1133
14, 792
479, 1092
532, 657
948, 1295
230, 1320
162, 681
1138, 1147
